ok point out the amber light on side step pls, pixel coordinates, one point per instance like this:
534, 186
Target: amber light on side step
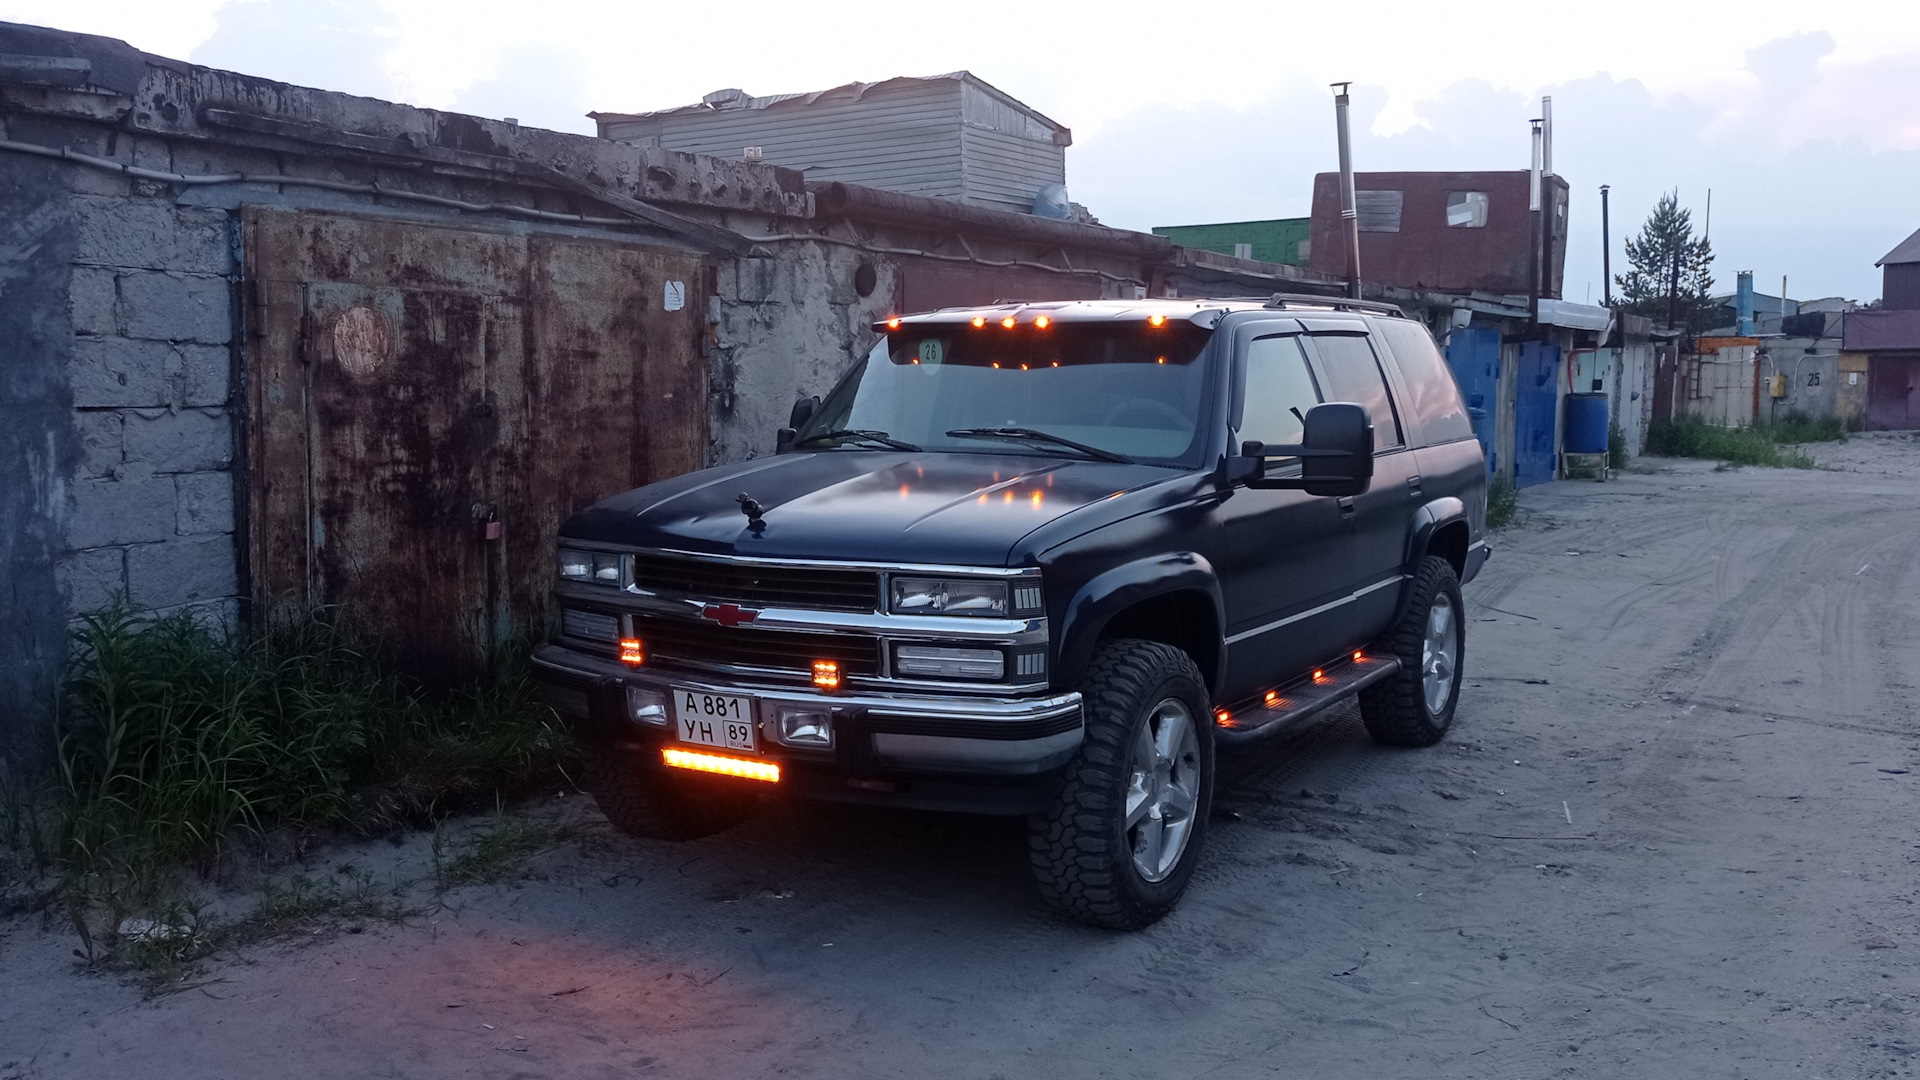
724, 766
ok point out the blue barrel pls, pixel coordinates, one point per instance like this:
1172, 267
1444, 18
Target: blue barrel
1586, 424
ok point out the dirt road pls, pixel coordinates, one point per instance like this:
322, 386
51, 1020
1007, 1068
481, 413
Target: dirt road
1673, 834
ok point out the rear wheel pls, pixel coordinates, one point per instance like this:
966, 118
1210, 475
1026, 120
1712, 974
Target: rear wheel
1415, 707
1119, 846
650, 803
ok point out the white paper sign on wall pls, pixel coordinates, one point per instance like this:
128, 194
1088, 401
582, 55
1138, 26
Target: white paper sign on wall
676, 297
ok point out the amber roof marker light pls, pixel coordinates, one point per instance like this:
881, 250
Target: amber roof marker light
893, 324
1042, 322
979, 321
1156, 320
1007, 322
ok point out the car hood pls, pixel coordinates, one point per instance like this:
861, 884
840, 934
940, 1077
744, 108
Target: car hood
861, 505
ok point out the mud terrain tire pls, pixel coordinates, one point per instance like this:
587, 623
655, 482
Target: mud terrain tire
1148, 754
1415, 707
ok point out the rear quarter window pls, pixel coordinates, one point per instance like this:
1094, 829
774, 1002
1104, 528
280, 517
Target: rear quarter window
1438, 412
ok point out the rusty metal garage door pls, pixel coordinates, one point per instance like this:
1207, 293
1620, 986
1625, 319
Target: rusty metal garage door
427, 402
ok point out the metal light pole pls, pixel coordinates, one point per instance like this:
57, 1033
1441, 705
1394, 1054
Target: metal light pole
1349, 212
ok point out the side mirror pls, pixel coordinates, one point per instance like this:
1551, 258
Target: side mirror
1335, 452
803, 411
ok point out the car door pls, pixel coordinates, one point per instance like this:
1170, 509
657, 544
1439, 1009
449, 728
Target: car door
1348, 370
1290, 559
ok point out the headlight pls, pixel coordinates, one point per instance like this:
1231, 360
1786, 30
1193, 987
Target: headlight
935, 662
948, 596
597, 567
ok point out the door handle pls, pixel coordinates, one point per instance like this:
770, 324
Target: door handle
1345, 503
1413, 486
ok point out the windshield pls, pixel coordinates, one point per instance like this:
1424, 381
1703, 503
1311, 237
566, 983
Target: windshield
1128, 389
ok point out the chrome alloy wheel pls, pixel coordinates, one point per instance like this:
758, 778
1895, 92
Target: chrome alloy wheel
1439, 654
1163, 791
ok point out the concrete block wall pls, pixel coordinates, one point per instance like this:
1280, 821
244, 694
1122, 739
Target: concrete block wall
787, 327
152, 499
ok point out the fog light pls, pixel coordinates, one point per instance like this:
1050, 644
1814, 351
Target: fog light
801, 725
725, 766
826, 674
646, 706
631, 652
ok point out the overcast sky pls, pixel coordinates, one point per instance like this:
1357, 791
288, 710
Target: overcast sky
1802, 118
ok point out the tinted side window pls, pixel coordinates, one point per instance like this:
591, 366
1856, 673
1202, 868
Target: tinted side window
1280, 390
1436, 396
1353, 374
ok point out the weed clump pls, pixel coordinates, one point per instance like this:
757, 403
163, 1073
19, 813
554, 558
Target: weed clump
1767, 444
1503, 502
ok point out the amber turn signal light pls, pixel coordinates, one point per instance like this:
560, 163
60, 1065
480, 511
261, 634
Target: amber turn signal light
723, 766
826, 674
632, 652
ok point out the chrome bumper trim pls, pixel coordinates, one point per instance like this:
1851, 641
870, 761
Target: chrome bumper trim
990, 750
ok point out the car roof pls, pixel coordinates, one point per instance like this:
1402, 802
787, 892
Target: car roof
1205, 311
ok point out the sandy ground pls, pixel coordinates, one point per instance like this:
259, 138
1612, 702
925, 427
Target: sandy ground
1672, 834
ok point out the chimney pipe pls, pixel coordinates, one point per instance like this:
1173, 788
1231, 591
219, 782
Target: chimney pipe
1743, 303
1349, 212
1606, 251
1546, 134
1533, 249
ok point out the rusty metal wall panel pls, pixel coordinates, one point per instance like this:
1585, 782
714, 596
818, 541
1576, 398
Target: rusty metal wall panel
616, 392
409, 383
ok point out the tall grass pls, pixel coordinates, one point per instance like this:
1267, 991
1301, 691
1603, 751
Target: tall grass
176, 740
1765, 444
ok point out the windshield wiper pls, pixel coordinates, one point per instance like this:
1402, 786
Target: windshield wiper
880, 437
1038, 436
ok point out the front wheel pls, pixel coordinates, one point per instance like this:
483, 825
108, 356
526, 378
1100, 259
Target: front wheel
1117, 848
1415, 707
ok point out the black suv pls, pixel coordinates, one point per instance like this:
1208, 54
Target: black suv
1038, 559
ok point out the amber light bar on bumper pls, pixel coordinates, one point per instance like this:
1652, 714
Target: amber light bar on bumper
724, 766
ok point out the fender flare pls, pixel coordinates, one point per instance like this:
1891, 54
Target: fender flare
1429, 519
1114, 590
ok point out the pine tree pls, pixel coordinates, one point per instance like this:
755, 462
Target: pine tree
1644, 289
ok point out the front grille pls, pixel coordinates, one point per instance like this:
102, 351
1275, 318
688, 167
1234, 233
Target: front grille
784, 650
759, 586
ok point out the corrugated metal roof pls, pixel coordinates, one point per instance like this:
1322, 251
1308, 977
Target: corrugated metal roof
1907, 252
731, 100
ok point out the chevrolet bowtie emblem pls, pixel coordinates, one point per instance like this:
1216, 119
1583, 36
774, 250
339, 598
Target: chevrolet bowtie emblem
728, 614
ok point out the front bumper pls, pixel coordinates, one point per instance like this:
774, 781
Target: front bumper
879, 738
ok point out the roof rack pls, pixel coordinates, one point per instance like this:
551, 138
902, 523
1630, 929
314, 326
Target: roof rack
1338, 303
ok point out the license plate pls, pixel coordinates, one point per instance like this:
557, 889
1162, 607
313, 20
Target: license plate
708, 719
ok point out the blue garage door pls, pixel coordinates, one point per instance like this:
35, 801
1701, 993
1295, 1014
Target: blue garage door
1474, 356
1533, 414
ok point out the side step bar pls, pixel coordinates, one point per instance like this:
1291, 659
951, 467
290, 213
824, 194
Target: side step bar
1258, 718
